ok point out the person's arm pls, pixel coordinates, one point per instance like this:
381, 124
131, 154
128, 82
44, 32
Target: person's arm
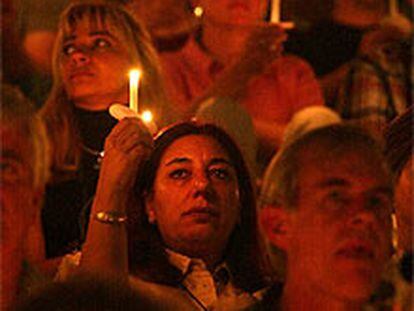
105, 249
262, 47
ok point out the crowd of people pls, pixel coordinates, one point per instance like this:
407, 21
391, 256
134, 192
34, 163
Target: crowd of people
280, 177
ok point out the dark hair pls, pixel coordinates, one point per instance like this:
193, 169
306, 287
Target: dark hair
243, 254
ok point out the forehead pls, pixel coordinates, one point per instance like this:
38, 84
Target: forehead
90, 22
194, 147
358, 168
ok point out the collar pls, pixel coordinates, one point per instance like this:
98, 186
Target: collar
186, 264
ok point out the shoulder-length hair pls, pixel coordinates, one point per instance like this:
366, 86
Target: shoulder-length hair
243, 253
58, 109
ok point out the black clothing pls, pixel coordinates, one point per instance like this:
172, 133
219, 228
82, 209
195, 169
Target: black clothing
66, 209
326, 46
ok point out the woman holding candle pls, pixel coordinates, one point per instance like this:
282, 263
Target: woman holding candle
236, 54
187, 236
96, 46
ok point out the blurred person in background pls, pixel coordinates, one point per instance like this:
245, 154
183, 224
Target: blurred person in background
235, 54
24, 172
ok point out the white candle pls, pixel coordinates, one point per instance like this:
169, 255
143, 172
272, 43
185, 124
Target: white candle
134, 78
275, 14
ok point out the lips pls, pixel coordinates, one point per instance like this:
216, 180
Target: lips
80, 74
357, 250
201, 211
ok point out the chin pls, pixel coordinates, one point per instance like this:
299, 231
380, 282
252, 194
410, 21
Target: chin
356, 286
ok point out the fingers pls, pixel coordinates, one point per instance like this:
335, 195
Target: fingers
129, 134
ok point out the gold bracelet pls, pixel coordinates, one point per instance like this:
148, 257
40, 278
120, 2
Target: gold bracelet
111, 217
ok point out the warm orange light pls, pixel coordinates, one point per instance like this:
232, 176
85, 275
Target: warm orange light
134, 78
147, 116
198, 11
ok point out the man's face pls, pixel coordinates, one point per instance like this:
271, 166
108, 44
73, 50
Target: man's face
234, 11
340, 235
18, 199
195, 197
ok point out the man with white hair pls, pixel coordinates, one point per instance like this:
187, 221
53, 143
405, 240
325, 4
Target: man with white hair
330, 212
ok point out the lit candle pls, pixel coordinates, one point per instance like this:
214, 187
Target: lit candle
119, 112
275, 14
198, 11
147, 116
134, 78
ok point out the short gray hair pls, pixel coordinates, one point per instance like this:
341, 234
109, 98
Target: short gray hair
280, 185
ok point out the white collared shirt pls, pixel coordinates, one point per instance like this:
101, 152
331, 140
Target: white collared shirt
214, 290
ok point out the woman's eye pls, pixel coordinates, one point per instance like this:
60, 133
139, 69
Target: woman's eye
337, 198
69, 49
220, 173
101, 43
179, 174
10, 171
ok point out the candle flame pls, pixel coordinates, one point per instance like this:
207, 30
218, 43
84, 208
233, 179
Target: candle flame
135, 75
198, 11
147, 116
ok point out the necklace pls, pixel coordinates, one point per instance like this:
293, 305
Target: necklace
98, 154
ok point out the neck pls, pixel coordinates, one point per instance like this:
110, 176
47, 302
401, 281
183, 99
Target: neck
101, 102
313, 299
210, 257
349, 13
224, 42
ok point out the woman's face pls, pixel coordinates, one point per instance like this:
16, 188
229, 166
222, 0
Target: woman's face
195, 201
234, 11
94, 65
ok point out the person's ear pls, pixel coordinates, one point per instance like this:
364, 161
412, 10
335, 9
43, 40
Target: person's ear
275, 223
149, 208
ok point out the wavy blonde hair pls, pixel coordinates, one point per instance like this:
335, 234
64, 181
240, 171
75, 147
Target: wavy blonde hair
58, 109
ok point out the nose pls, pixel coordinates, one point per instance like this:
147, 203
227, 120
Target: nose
201, 181
80, 58
362, 214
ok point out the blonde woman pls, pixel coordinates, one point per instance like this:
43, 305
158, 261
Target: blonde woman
96, 45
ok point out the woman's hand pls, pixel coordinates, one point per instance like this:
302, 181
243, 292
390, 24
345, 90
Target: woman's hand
105, 249
128, 144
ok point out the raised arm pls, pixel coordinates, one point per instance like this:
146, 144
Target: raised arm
105, 250
262, 47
